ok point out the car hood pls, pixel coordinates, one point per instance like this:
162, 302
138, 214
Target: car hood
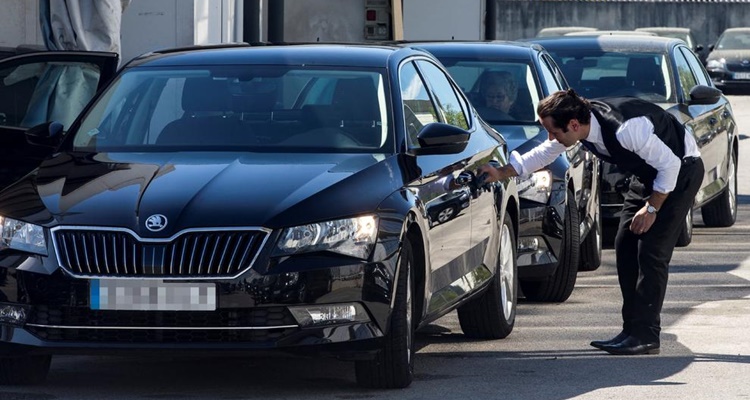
191, 190
522, 138
732, 56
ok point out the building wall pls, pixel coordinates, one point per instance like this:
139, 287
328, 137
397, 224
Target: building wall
706, 20
443, 19
19, 23
324, 20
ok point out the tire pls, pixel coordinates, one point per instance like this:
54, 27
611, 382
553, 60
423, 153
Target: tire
446, 214
722, 211
591, 247
558, 287
393, 367
493, 314
686, 231
24, 370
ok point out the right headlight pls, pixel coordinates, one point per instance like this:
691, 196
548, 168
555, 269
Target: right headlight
351, 236
19, 235
536, 187
717, 64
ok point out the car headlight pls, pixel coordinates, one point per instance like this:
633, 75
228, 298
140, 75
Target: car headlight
352, 236
536, 187
19, 235
717, 64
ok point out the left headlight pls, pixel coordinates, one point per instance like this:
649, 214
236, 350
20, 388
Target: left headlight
351, 236
537, 187
19, 235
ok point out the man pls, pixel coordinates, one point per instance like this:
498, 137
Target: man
641, 138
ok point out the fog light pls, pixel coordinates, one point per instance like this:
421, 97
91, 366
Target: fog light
13, 314
528, 244
327, 314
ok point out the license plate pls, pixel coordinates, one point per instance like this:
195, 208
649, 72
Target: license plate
742, 75
152, 295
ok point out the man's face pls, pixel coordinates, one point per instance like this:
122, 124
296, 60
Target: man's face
568, 136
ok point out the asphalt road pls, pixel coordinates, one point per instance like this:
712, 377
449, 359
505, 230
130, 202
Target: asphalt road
705, 345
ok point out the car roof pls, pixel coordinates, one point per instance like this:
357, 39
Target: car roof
631, 43
611, 32
355, 55
737, 30
508, 49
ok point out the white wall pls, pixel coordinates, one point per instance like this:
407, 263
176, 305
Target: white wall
19, 23
443, 19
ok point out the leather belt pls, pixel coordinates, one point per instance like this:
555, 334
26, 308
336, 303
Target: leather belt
689, 160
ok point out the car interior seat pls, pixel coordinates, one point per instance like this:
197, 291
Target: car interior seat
355, 101
206, 104
645, 75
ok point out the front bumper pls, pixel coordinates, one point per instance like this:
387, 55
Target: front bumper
540, 236
252, 311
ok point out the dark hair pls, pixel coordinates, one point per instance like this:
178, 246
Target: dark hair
563, 106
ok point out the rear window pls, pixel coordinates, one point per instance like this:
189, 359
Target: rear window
604, 74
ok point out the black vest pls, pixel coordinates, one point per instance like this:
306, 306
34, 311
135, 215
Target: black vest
612, 112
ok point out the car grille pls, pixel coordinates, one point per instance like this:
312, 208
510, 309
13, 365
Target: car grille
76, 324
195, 254
738, 67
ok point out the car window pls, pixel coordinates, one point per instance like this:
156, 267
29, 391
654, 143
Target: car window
502, 91
684, 73
698, 70
301, 109
418, 108
551, 80
452, 110
604, 73
31, 94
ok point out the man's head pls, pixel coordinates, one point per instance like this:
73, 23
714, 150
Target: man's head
566, 116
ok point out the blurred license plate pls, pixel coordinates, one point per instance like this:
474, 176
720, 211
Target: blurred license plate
742, 75
152, 295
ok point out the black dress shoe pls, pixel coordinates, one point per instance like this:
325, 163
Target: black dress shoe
599, 344
632, 346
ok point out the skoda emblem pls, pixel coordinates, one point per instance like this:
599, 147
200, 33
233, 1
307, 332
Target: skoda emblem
156, 222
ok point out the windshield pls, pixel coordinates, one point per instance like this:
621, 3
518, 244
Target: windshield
734, 41
235, 108
602, 74
503, 92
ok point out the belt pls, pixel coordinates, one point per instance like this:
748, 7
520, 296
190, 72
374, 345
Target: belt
689, 160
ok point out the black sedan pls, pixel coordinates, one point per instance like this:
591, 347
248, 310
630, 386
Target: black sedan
559, 228
728, 63
258, 198
664, 71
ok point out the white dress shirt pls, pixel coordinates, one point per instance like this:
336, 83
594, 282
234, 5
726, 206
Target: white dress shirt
635, 134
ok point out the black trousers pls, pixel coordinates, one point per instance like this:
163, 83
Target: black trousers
643, 260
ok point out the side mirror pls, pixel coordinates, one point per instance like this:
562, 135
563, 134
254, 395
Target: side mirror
711, 47
702, 94
698, 47
47, 134
440, 138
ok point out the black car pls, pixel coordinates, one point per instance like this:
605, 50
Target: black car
664, 71
559, 228
728, 63
258, 198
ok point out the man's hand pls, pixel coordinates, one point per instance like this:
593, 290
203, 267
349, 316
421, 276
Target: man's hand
493, 173
642, 221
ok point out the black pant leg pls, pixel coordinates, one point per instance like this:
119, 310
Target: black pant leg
626, 250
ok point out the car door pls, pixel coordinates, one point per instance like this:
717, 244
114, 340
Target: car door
707, 121
444, 188
40, 87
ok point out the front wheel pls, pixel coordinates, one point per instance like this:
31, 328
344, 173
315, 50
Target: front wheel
591, 247
722, 211
559, 286
393, 367
493, 314
686, 231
